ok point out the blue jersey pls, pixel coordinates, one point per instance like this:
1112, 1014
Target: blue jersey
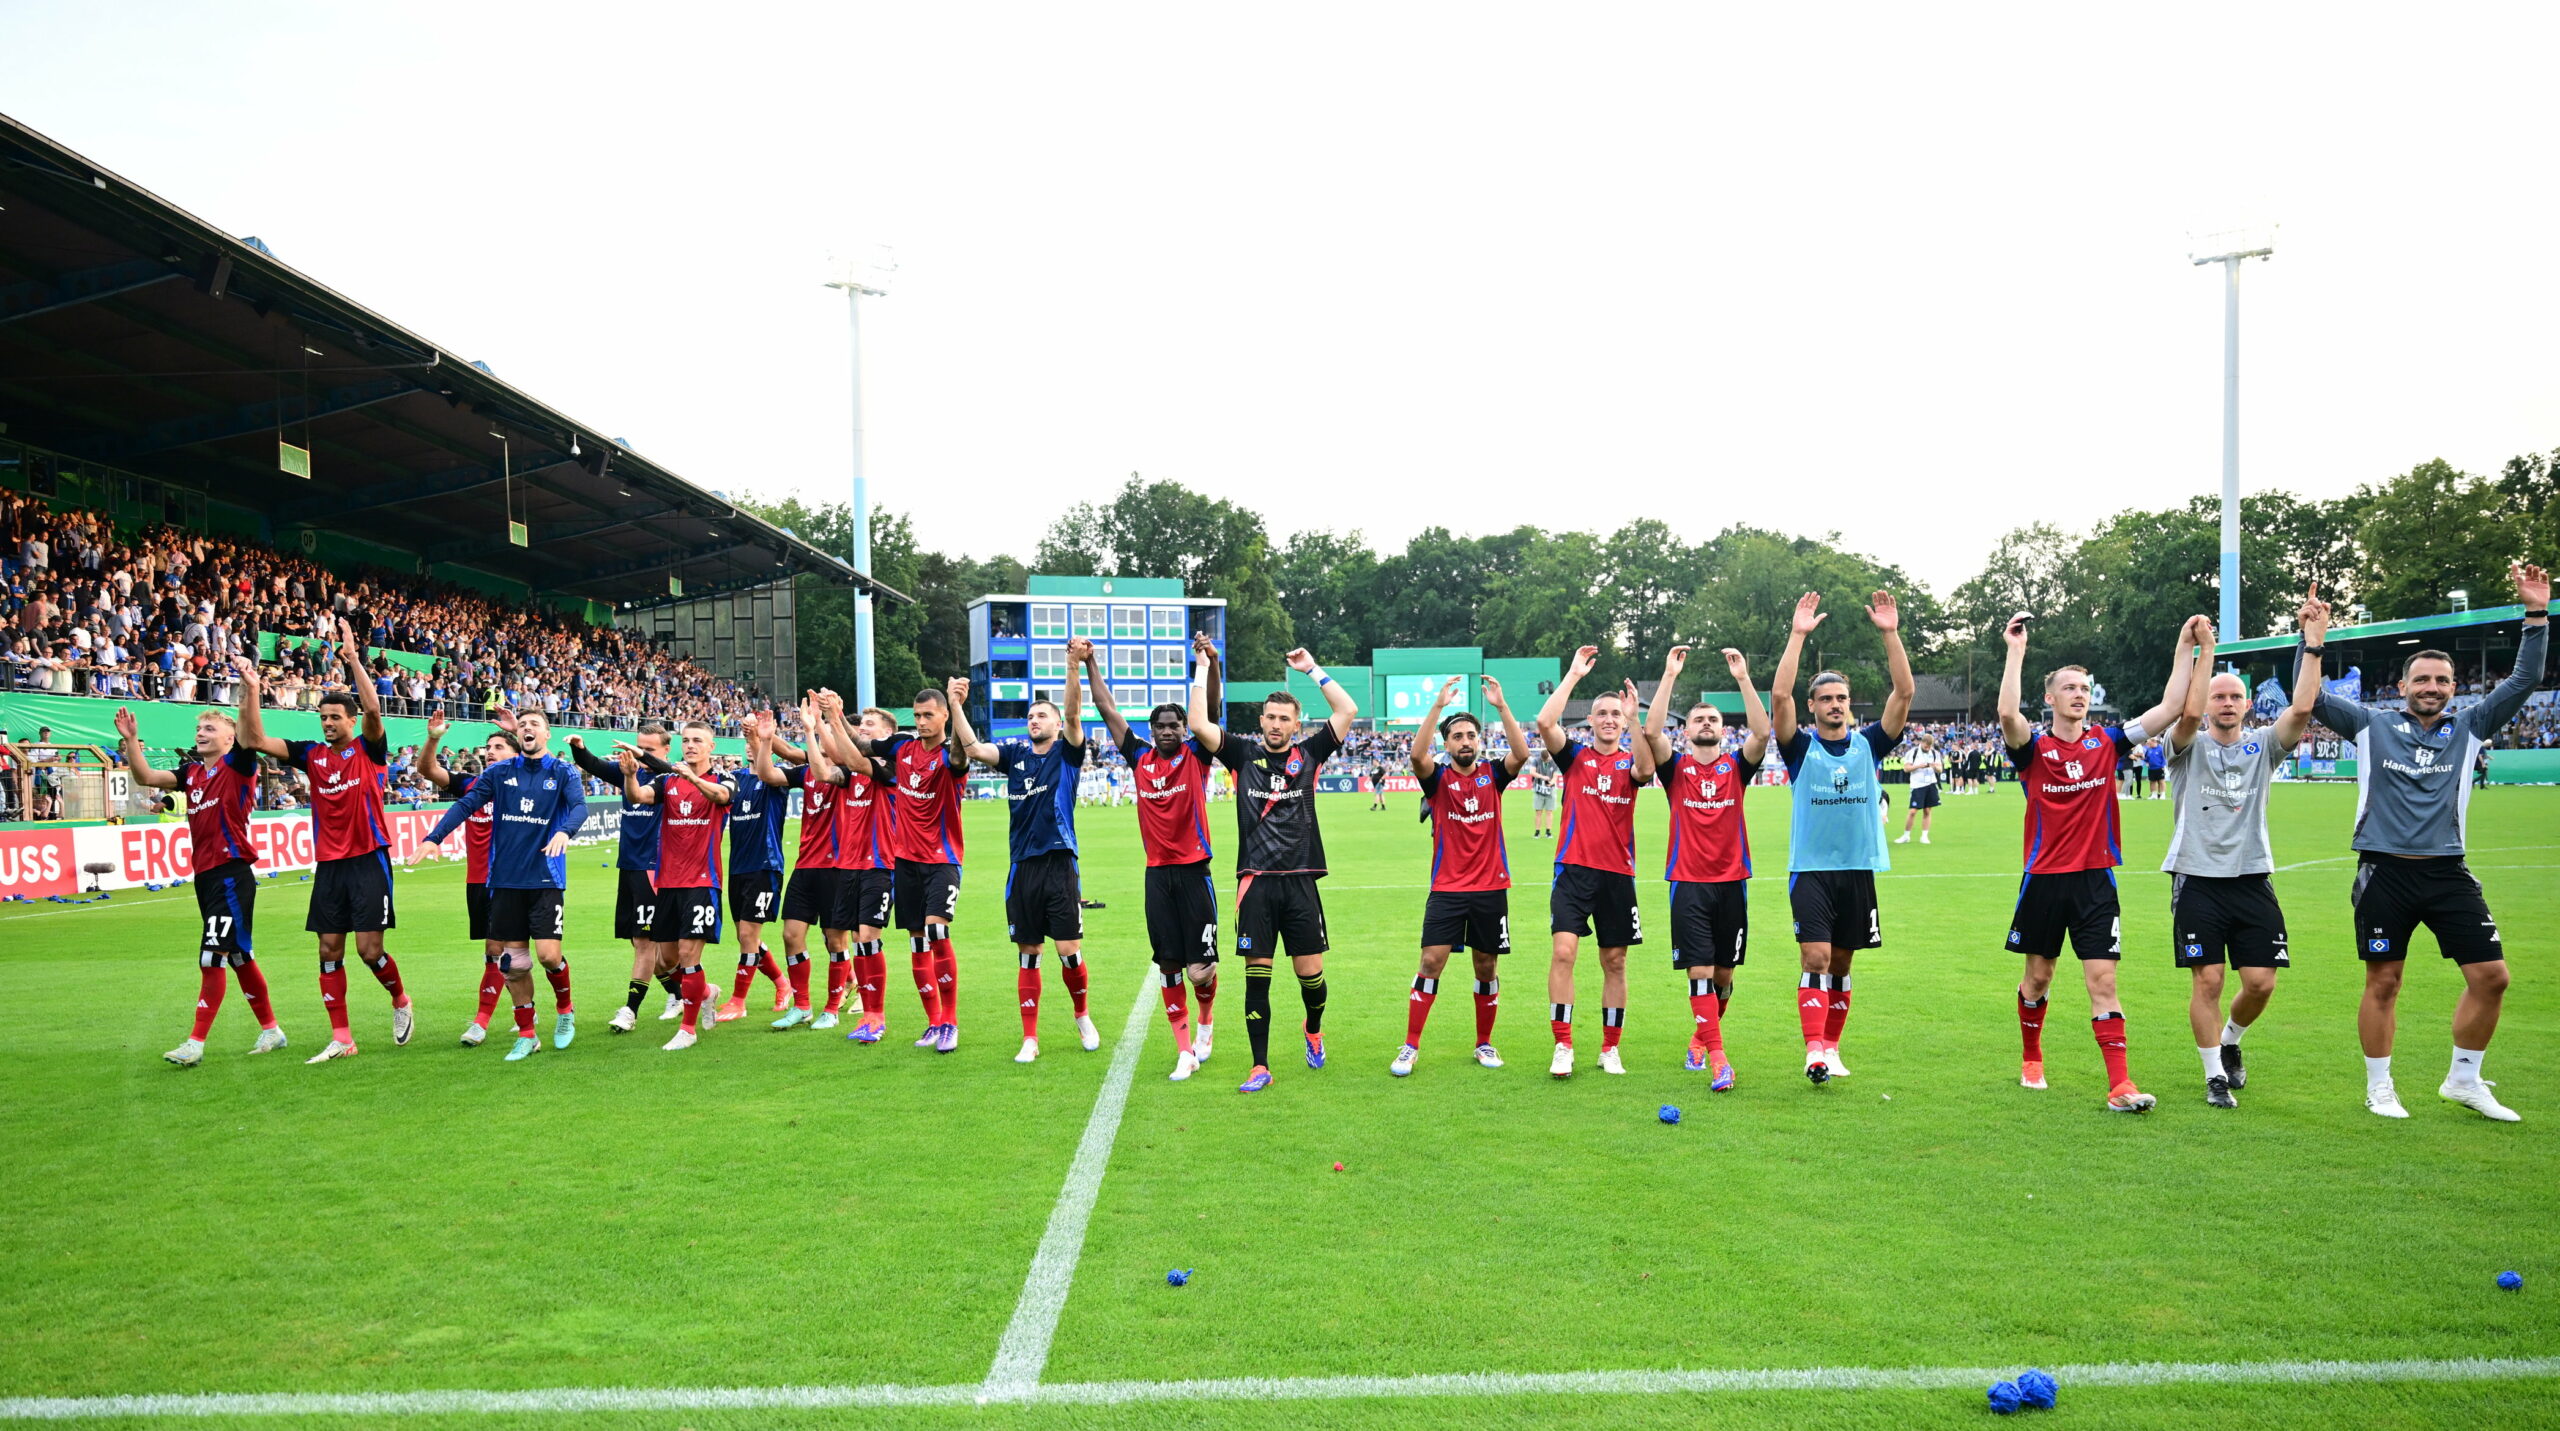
2156, 757
532, 798
756, 814
1042, 789
1838, 824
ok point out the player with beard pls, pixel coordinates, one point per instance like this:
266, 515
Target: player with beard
1709, 862
1595, 873
1279, 846
1835, 844
351, 887
929, 770
2222, 897
863, 815
693, 803
1469, 907
757, 813
1170, 773
475, 856
2413, 809
220, 778
1043, 894
2073, 844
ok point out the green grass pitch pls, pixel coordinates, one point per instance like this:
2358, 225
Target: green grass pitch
793, 1209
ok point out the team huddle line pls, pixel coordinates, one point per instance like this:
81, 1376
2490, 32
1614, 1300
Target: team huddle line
880, 847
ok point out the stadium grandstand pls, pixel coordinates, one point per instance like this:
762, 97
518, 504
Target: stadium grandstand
205, 453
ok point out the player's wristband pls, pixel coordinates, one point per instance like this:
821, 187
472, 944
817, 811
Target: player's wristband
1321, 679
2310, 650
2543, 615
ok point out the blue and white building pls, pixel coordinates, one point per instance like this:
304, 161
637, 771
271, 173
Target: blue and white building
1142, 626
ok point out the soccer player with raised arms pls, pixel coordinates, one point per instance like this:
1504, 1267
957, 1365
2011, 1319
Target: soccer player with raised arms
2222, 898
220, 779
757, 813
351, 888
539, 803
635, 895
1595, 873
1279, 847
693, 803
1708, 863
930, 771
2413, 805
1170, 772
2073, 844
1469, 907
1043, 896
1835, 847
475, 863
862, 813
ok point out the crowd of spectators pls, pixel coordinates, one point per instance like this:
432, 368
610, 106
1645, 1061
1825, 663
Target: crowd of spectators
157, 614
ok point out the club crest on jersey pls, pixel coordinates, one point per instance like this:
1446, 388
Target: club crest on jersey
2090, 744
1481, 782
1296, 763
1626, 762
2249, 748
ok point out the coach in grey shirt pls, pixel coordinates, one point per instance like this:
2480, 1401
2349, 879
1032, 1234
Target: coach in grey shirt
2222, 903
2412, 795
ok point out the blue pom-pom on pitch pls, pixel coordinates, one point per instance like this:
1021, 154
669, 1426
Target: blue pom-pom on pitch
2004, 1397
2510, 1281
1668, 1114
2037, 1389
1177, 1277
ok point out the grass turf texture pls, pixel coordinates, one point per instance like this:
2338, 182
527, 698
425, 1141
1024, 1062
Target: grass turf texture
776, 1209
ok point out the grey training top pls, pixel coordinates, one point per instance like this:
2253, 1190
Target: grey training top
2413, 785
2221, 794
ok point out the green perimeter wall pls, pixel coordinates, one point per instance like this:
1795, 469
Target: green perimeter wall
166, 725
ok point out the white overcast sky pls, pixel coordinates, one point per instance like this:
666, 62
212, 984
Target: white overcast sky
1914, 274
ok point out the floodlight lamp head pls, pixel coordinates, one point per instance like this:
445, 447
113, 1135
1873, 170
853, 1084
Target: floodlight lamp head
864, 271
2251, 241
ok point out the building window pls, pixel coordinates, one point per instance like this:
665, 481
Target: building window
1128, 623
1048, 663
1172, 696
1128, 663
1169, 663
1168, 623
1048, 623
1090, 623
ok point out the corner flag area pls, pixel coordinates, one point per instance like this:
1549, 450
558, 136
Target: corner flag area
789, 1229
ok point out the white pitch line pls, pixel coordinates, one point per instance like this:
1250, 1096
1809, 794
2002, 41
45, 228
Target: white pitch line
1024, 1350
2073, 1379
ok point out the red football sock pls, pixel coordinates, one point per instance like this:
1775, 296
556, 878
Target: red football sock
1838, 1014
388, 971
1560, 1023
2110, 1032
766, 966
922, 962
746, 979
1072, 973
1026, 988
253, 987
492, 983
1613, 1022
839, 973
871, 975
1813, 1006
558, 974
946, 977
697, 995
210, 987
1208, 999
1706, 1020
333, 997
1488, 1003
1178, 1016
1417, 1009
2031, 1028
524, 1020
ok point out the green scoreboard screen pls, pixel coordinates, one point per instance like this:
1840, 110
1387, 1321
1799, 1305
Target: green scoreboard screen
1408, 698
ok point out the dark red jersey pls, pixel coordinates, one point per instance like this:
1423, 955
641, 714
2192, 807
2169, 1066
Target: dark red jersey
220, 794
347, 785
819, 804
1708, 842
863, 822
1599, 829
1465, 807
475, 836
924, 821
2071, 799
1173, 800
690, 831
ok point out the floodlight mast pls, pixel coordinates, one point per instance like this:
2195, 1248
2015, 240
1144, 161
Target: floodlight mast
860, 279
2229, 249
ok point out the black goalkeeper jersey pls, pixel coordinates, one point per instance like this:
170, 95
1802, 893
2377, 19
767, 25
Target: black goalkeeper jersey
1276, 800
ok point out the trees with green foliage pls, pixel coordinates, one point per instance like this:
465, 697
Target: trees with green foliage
1212, 546
2431, 531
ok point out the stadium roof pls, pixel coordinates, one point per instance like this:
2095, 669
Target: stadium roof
136, 335
2409, 626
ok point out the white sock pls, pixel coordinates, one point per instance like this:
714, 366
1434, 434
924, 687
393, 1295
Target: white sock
2212, 1057
2377, 1071
2466, 1065
2231, 1031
